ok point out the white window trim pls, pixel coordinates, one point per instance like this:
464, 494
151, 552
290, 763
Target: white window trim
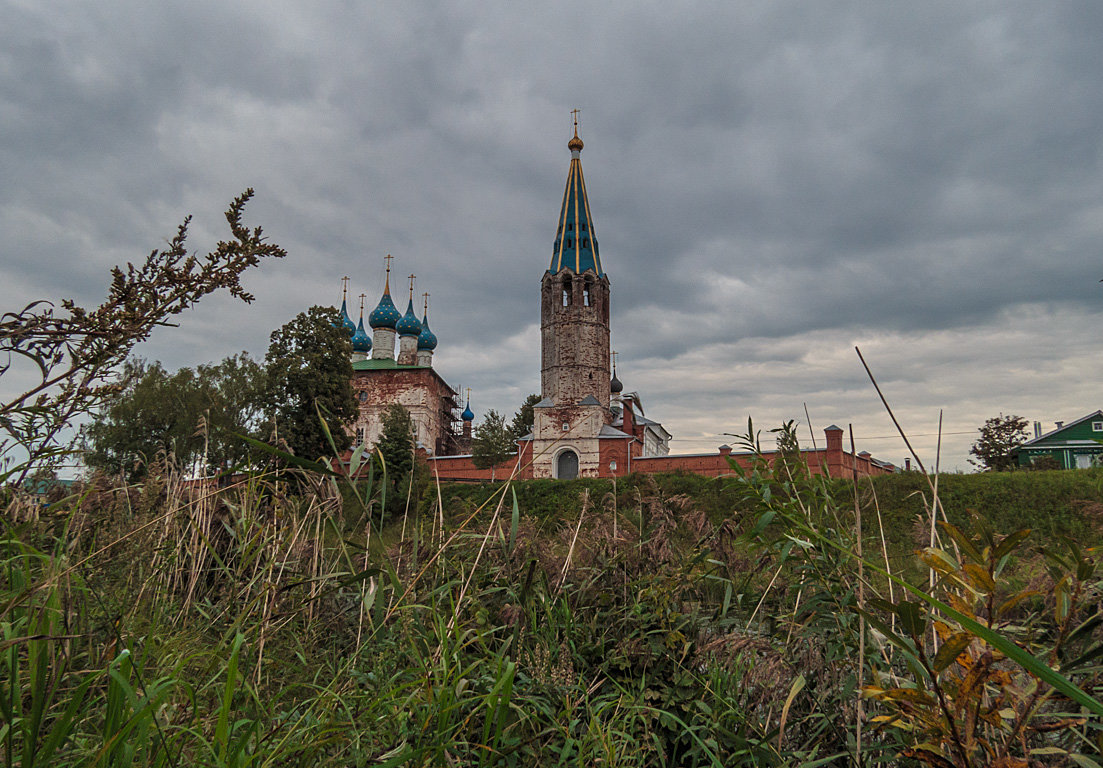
1097, 426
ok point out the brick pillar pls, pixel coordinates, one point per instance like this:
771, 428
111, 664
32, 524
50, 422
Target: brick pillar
833, 459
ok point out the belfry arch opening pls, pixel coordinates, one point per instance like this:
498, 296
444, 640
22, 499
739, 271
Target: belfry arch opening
567, 291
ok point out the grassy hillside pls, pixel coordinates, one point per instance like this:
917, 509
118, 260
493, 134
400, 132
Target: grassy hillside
1056, 503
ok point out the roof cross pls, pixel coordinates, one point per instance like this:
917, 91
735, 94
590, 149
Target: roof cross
426, 295
387, 258
344, 287
362, 295
575, 113
412, 276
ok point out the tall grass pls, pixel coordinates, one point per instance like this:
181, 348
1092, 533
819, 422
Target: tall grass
273, 623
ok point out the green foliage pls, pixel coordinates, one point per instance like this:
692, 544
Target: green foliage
997, 437
73, 358
682, 621
309, 369
492, 443
394, 458
963, 701
523, 419
192, 415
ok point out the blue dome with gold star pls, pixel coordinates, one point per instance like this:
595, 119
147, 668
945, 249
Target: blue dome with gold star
409, 325
345, 321
385, 315
361, 342
426, 339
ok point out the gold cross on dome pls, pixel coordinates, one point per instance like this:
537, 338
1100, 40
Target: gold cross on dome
426, 295
575, 113
387, 284
412, 286
362, 297
344, 287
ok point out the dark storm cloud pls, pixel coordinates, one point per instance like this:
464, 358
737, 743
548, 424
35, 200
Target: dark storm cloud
771, 182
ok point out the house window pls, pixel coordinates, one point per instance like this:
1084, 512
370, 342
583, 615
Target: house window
1097, 426
359, 435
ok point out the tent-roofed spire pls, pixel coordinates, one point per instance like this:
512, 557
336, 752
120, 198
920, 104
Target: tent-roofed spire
575, 240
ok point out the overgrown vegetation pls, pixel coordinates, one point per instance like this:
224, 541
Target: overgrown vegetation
683, 621
300, 618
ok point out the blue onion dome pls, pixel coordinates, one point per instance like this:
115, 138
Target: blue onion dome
427, 339
361, 342
385, 315
344, 321
467, 415
409, 325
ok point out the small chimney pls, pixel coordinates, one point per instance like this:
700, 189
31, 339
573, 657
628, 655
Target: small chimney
1059, 424
907, 464
1037, 429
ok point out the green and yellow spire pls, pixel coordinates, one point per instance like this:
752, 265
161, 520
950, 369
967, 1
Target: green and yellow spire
575, 240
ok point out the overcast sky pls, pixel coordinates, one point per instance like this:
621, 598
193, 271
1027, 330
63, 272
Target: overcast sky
772, 183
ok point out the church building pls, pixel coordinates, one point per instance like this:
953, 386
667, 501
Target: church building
583, 426
381, 378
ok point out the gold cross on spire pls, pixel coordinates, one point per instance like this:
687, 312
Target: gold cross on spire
614, 356
426, 295
362, 296
574, 113
412, 276
344, 287
387, 258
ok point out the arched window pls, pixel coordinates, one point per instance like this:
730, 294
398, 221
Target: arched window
566, 465
567, 291
586, 293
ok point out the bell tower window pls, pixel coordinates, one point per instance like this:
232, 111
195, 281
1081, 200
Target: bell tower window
567, 292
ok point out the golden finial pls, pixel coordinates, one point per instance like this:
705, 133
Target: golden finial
575, 144
387, 286
412, 288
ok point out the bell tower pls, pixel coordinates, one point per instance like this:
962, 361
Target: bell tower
574, 340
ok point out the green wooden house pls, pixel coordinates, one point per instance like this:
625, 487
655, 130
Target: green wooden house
1075, 445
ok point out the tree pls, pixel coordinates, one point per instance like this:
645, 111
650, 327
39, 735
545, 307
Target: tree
524, 418
997, 437
195, 416
492, 443
396, 447
309, 370
76, 356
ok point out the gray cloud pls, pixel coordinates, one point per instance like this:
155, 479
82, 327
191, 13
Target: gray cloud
771, 183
